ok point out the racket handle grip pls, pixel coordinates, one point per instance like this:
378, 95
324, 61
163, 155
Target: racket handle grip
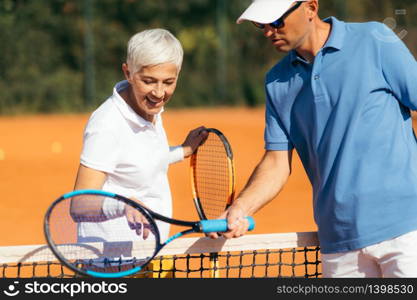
221, 225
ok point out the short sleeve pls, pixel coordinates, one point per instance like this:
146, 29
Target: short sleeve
100, 149
275, 135
176, 154
399, 67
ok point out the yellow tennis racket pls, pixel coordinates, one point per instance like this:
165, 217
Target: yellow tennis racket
213, 180
213, 175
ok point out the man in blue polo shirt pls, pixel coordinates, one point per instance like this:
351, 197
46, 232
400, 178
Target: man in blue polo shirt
342, 98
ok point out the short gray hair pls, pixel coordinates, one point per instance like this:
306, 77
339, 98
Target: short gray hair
153, 47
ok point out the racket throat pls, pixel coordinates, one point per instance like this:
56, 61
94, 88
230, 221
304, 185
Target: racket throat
196, 228
199, 206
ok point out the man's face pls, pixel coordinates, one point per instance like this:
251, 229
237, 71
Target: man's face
293, 33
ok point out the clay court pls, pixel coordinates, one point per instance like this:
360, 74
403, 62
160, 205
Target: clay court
39, 156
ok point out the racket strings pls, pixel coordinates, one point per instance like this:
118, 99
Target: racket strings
213, 182
92, 236
108, 265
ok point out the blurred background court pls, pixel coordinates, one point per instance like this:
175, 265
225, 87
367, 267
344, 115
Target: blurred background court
41, 154
60, 59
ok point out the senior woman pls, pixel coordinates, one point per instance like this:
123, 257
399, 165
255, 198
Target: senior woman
125, 148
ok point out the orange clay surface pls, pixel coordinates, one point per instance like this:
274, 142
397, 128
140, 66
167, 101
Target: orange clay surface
39, 157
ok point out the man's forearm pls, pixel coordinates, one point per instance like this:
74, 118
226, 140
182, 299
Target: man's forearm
266, 181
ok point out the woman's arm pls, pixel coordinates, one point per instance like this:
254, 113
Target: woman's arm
88, 179
191, 143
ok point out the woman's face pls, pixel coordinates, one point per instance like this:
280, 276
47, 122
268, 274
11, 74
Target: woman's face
151, 88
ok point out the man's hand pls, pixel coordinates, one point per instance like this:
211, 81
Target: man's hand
237, 223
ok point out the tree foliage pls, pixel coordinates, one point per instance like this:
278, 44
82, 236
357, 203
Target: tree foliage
44, 48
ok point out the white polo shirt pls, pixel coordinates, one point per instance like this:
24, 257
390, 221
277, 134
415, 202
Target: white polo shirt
135, 155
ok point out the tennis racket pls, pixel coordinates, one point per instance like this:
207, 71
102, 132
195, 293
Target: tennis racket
213, 181
212, 175
101, 234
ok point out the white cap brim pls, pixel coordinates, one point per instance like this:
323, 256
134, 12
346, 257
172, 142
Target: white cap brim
265, 11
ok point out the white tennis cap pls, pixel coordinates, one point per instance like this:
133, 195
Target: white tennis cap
266, 11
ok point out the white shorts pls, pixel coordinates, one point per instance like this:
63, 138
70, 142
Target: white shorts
396, 257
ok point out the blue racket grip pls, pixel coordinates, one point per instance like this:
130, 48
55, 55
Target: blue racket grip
221, 225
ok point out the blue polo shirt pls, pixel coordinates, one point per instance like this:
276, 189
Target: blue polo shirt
348, 116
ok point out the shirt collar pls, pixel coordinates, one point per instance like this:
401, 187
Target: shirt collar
127, 112
335, 40
337, 34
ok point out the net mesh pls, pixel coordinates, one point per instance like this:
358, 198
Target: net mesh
260, 257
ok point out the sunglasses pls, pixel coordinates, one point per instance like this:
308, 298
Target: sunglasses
280, 22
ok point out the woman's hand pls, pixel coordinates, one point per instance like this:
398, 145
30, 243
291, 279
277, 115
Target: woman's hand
138, 221
193, 140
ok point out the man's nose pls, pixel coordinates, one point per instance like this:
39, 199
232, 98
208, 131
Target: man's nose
268, 30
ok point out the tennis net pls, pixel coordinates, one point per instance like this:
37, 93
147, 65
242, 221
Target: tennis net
250, 256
